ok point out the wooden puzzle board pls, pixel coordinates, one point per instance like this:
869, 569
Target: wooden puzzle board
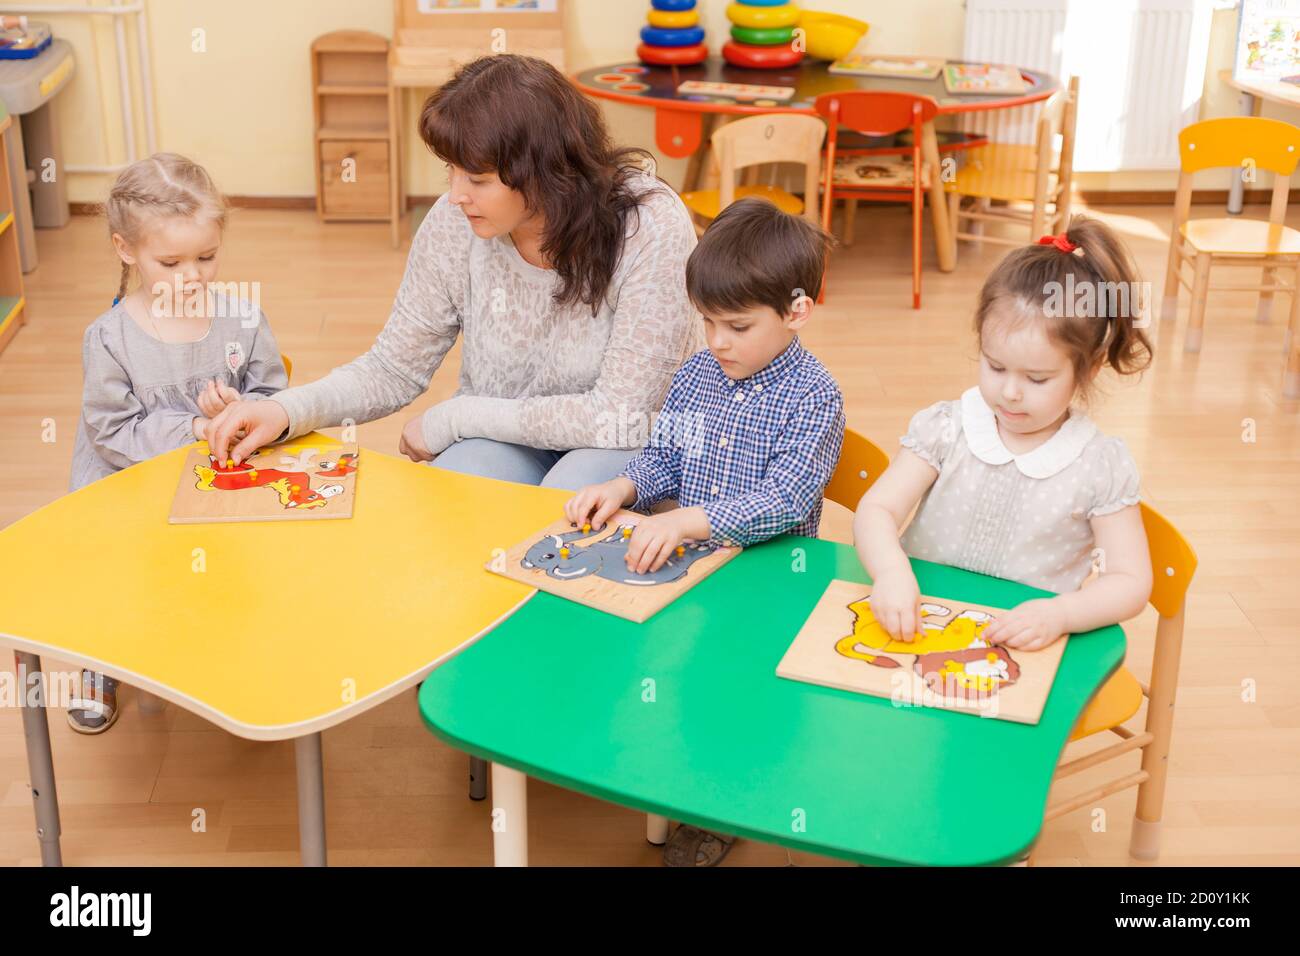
290, 482
841, 645
592, 572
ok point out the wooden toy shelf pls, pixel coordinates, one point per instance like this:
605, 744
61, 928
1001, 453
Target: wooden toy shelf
354, 109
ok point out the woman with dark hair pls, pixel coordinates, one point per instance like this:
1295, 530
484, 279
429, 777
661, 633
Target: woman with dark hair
561, 261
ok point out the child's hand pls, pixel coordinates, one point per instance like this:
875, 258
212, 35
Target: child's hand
655, 538
215, 397
596, 504
896, 604
1030, 626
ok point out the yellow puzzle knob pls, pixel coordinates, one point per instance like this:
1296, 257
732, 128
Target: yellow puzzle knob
564, 552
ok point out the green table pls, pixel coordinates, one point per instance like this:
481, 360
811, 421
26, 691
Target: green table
563, 693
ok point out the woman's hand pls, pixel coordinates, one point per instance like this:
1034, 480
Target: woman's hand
260, 423
596, 504
215, 397
1030, 626
655, 538
896, 604
200, 427
412, 442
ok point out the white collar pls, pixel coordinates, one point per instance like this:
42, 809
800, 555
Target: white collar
1054, 455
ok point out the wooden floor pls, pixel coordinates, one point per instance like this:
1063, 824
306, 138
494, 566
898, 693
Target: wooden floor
397, 795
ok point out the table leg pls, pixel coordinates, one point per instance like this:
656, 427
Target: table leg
40, 762
656, 829
695, 164
1236, 193
478, 775
938, 200
509, 817
311, 800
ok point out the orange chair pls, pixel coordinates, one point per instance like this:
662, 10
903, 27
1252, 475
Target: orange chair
861, 462
1173, 562
878, 114
1240, 142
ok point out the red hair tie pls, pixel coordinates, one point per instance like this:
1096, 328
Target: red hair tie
1061, 242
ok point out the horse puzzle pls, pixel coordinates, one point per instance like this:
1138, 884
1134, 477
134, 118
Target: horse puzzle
588, 565
951, 667
291, 482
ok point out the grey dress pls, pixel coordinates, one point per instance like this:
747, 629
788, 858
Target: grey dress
139, 394
1026, 517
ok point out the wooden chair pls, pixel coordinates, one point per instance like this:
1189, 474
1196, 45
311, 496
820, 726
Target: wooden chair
288, 365
1173, 562
861, 462
754, 141
874, 113
1240, 142
1012, 173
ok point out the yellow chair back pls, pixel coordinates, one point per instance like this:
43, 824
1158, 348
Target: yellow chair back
862, 461
1232, 140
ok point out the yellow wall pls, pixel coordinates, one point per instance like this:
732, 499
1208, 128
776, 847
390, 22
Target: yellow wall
242, 107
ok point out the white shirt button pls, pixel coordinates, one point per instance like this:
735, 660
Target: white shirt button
731, 382
740, 396
713, 490
722, 443
758, 388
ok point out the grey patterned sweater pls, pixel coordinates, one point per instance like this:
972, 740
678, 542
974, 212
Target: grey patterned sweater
531, 373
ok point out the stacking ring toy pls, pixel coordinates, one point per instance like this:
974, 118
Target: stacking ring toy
672, 19
745, 15
673, 6
756, 36
654, 36
760, 57
672, 55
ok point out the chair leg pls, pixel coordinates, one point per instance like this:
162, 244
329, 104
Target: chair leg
917, 203
1200, 292
954, 220
1169, 307
1264, 311
850, 214
1144, 842
1291, 377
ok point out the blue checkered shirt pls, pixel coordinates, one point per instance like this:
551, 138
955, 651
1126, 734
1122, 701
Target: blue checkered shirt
755, 454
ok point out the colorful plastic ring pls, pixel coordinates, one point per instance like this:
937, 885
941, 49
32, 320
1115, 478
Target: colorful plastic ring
673, 6
755, 36
672, 55
760, 57
656, 37
672, 19
744, 15
764, 3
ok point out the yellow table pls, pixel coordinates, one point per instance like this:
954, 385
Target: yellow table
270, 630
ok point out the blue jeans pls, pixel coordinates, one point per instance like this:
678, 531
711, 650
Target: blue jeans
534, 466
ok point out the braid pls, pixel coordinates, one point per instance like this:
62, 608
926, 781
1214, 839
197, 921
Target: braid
165, 184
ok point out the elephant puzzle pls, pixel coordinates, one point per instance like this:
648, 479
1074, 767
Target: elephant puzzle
589, 567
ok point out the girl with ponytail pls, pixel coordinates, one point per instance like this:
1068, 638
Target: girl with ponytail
1013, 479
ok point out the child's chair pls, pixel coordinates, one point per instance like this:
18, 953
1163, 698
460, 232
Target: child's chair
1247, 143
758, 140
1037, 175
288, 365
861, 462
850, 177
1172, 564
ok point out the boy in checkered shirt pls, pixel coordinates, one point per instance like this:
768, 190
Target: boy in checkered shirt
751, 428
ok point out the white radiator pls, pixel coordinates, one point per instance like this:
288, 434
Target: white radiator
1140, 63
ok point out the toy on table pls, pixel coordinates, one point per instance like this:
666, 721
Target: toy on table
762, 35
672, 35
950, 666
910, 67
588, 565
982, 78
284, 482
737, 91
831, 36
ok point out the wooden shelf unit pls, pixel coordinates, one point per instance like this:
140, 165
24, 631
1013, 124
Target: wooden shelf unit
354, 108
13, 311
